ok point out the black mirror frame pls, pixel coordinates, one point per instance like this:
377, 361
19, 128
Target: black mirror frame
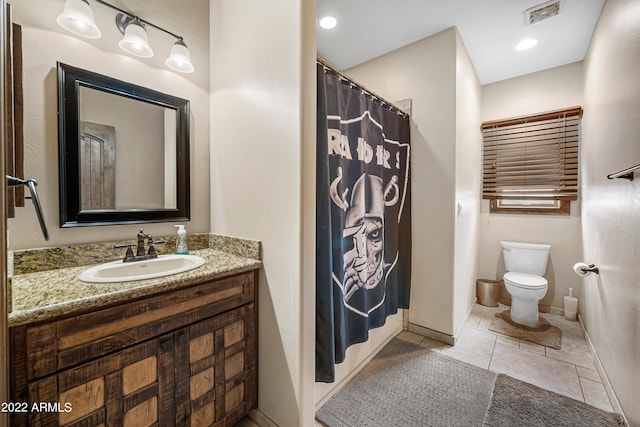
69, 81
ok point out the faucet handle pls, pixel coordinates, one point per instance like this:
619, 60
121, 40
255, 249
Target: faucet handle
152, 250
128, 245
129, 254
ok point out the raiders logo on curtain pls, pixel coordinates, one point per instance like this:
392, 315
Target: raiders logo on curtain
363, 221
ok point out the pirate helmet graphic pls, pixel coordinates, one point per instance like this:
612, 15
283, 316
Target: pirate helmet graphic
364, 224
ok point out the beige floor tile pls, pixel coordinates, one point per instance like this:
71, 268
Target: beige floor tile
595, 394
410, 337
430, 344
544, 372
506, 340
574, 350
474, 347
483, 311
569, 328
590, 374
245, 422
532, 347
484, 325
473, 321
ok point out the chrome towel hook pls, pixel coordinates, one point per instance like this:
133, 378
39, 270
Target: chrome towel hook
31, 184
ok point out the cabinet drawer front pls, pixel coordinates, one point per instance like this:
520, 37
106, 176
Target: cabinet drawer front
70, 342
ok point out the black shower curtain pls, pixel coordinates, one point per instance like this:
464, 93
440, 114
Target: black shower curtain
363, 218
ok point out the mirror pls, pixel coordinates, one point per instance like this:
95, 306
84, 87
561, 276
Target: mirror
123, 151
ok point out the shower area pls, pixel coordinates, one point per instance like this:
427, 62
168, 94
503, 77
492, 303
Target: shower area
363, 218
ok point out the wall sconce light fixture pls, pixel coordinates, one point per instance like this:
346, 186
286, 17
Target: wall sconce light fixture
77, 18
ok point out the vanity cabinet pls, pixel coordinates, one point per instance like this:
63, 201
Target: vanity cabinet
184, 358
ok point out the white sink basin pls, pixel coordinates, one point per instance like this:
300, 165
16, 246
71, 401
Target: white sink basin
118, 271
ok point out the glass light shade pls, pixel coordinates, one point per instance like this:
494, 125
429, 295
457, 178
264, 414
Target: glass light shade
135, 41
179, 59
77, 18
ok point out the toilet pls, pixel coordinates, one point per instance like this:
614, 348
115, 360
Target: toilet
525, 264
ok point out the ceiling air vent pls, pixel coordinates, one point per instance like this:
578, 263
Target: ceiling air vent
541, 12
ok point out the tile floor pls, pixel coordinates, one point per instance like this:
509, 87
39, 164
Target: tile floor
569, 371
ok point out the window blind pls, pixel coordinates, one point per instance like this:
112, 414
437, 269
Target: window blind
532, 157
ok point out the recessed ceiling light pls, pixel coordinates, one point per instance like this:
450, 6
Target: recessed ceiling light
526, 44
328, 22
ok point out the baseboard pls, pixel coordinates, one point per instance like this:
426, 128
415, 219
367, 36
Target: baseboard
405, 319
439, 336
615, 404
261, 419
457, 333
430, 333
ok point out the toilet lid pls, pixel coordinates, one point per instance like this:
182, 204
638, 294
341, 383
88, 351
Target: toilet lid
528, 281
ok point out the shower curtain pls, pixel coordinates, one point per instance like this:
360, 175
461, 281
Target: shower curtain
363, 217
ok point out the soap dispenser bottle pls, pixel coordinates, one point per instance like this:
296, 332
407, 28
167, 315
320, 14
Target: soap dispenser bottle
181, 241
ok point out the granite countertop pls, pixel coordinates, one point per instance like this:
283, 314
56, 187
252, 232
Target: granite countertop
47, 294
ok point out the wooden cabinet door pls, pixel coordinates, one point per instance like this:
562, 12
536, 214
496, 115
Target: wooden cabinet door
132, 388
216, 369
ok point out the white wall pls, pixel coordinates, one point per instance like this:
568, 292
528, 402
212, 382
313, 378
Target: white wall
425, 71
467, 185
547, 90
260, 106
610, 307
44, 43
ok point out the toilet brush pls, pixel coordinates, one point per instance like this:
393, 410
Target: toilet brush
570, 306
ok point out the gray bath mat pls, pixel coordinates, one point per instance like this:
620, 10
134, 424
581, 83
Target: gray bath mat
516, 403
543, 334
406, 385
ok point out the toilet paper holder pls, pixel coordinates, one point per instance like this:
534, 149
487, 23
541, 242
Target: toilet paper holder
591, 268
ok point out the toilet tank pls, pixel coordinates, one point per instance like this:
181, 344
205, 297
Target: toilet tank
528, 258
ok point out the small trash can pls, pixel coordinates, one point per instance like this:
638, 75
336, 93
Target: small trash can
488, 292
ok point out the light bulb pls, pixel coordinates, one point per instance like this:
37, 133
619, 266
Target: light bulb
180, 59
135, 40
77, 18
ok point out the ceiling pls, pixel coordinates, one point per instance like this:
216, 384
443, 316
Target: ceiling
490, 30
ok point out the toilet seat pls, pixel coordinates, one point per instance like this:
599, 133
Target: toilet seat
525, 281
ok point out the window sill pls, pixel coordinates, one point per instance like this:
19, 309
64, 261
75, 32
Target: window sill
563, 210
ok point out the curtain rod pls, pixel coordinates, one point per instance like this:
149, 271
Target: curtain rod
328, 66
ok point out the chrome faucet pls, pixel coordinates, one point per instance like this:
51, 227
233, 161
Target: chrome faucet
140, 253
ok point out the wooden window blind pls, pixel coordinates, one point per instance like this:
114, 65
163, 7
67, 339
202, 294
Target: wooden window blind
532, 157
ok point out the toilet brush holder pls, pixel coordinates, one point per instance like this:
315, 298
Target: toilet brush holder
570, 308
